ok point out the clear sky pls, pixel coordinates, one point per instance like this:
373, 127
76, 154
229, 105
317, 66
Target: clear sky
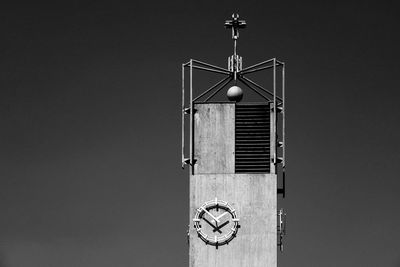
90, 127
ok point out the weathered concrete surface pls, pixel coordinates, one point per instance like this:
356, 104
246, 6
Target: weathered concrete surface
255, 199
214, 138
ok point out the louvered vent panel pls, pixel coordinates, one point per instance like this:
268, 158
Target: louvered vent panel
252, 139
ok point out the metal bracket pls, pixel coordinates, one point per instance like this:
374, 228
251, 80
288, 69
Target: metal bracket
188, 234
279, 108
187, 161
187, 110
283, 189
281, 228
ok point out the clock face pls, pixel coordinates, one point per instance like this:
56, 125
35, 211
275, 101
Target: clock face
216, 222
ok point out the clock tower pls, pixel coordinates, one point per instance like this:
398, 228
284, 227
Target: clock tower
235, 153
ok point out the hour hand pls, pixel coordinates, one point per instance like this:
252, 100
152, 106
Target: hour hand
222, 215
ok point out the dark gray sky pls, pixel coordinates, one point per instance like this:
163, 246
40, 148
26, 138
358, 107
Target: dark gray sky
90, 127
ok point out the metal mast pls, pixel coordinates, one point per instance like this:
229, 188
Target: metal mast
235, 62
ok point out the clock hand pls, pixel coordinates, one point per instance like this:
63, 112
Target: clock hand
222, 215
219, 227
213, 226
215, 219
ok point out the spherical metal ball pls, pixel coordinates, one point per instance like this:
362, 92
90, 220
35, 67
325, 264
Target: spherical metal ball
235, 93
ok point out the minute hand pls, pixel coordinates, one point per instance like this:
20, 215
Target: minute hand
215, 219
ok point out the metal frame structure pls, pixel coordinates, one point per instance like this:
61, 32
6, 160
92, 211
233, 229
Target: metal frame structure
235, 73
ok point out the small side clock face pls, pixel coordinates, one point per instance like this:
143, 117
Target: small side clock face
216, 222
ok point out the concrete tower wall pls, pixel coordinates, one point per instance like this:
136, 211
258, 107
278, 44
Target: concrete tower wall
254, 196
214, 138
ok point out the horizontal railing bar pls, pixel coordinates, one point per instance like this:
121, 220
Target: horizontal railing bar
256, 70
209, 65
211, 70
259, 64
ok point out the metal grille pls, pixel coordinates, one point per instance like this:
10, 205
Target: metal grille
252, 138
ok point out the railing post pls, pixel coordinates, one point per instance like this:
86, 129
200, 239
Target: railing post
191, 116
183, 116
274, 118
